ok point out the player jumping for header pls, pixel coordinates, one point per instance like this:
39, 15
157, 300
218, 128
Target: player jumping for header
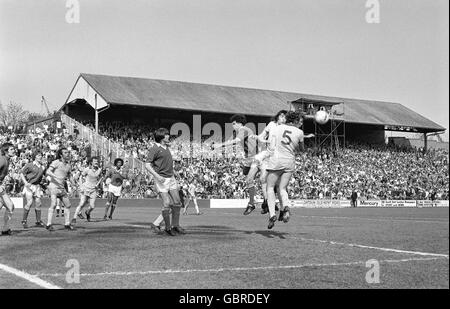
246, 138
286, 141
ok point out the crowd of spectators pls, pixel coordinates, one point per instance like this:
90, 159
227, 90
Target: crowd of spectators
375, 172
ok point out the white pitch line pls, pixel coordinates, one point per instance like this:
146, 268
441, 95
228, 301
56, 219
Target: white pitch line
377, 248
31, 278
275, 267
379, 219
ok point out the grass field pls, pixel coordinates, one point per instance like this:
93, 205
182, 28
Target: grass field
318, 248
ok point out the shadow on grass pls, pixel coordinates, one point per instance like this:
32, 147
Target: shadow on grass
223, 230
96, 220
270, 234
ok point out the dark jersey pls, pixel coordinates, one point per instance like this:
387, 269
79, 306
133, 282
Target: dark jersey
161, 160
117, 176
33, 173
247, 142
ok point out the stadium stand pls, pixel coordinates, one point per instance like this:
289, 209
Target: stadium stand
376, 171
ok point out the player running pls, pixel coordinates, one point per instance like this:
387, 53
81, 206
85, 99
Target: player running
88, 189
59, 172
116, 174
160, 166
245, 137
32, 175
7, 151
286, 140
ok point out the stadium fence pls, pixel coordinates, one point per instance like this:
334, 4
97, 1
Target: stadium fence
101, 145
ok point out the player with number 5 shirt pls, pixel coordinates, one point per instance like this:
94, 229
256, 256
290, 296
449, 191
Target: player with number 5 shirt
286, 140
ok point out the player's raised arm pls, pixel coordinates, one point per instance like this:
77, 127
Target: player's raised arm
230, 142
238, 122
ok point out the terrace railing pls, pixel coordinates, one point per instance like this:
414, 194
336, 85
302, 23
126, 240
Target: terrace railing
101, 145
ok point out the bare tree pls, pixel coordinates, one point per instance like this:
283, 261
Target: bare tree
13, 115
3, 118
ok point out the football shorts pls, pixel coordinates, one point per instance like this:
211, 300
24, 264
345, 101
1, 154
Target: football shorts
89, 192
262, 159
285, 165
56, 190
33, 190
116, 190
169, 184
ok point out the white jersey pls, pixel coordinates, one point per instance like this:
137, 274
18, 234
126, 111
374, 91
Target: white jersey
268, 132
284, 142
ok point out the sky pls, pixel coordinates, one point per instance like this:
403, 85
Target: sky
323, 47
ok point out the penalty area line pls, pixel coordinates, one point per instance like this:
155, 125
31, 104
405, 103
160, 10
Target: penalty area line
377, 248
230, 269
31, 278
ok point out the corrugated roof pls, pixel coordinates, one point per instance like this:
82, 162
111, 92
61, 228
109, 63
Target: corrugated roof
226, 99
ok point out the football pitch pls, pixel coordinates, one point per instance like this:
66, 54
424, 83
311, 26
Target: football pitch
317, 248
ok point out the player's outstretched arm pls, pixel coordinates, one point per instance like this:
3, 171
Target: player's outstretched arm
227, 143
